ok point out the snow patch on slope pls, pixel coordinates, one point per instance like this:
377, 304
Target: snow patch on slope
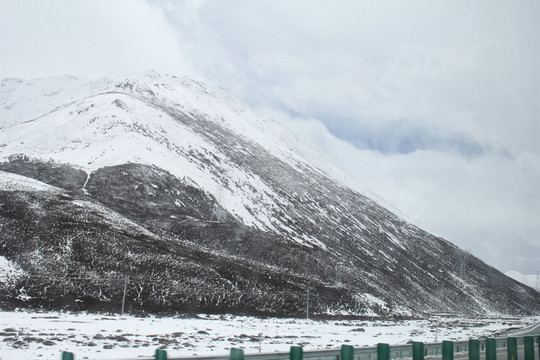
23, 100
92, 134
111, 217
13, 182
9, 271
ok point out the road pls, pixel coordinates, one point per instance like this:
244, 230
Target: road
528, 330
501, 354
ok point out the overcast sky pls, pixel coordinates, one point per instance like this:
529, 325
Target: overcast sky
433, 105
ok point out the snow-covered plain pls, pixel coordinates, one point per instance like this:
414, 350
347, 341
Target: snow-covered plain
31, 335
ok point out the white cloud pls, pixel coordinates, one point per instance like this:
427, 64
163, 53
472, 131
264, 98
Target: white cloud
89, 38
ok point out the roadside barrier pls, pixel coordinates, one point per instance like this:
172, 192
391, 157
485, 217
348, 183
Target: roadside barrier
415, 351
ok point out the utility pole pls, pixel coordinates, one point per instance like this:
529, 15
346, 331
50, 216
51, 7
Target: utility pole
437, 330
124, 296
307, 305
338, 276
463, 258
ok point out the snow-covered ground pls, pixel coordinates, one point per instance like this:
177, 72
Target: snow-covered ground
29, 335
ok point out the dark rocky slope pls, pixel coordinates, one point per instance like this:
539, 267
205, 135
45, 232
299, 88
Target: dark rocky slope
77, 247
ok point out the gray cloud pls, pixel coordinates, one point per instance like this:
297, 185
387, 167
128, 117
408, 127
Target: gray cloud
467, 68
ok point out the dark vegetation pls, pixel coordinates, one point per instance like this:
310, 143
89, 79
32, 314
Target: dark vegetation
182, 252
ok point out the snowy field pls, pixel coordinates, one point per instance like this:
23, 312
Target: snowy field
92, 336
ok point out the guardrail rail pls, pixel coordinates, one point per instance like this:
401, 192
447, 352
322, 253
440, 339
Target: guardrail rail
489, 348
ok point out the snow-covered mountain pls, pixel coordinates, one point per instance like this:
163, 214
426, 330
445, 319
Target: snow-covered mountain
204, 205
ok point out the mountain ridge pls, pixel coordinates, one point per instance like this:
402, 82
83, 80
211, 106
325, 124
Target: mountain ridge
529, 280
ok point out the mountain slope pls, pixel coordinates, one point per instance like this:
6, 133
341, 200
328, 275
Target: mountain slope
529, 280
206, 205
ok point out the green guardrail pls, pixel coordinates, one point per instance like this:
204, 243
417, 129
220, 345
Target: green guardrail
491, 349
511, 348
474, 349
416, 350
528, 346
162, 355
296, 353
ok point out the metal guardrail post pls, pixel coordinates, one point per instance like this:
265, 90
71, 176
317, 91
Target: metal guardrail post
161, 354
67, 355
296, 353
474, 349
418, 351
447, 350
236, 354
347, 352
528, 345
491, 349
383, 352
511, 348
